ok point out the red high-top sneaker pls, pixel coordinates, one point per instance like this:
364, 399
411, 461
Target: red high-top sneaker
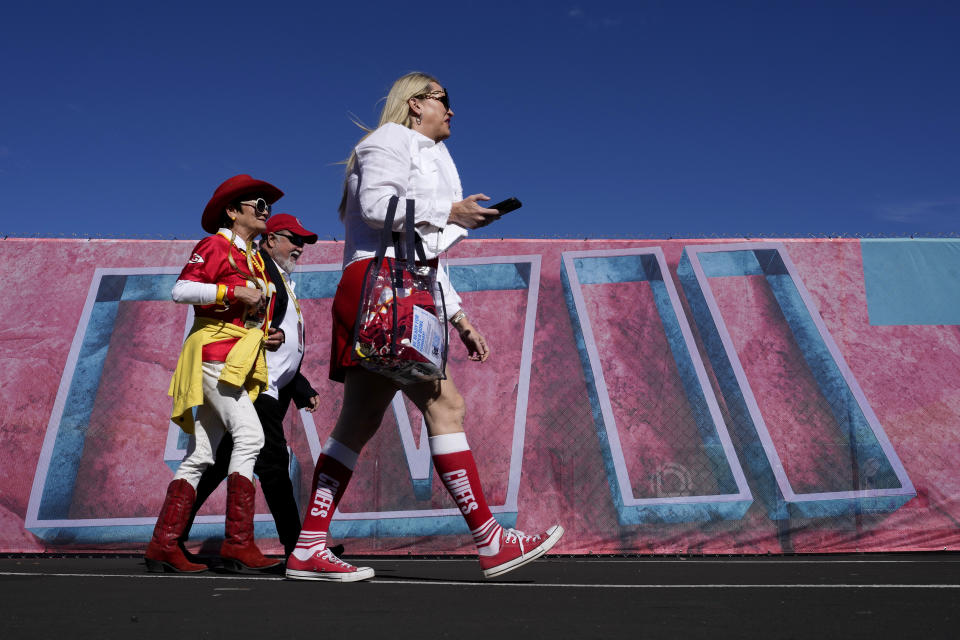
517, 549
323, 565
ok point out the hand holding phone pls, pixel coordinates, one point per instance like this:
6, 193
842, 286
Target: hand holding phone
508, 205
470, 214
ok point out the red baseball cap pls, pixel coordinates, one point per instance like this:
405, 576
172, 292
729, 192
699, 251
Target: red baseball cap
287, 222
230, 190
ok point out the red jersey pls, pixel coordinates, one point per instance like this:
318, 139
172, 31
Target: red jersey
210, 263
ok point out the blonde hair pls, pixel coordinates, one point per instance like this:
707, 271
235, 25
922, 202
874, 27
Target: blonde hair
395, 109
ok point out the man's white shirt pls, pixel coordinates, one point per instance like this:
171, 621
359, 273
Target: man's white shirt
283, 363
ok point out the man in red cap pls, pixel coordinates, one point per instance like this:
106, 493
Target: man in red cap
221, 370
280, 247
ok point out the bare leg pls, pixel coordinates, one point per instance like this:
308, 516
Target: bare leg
440, 403
366, 396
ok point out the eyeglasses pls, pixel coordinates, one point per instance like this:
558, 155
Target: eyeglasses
440, 94
296, 241
259, 204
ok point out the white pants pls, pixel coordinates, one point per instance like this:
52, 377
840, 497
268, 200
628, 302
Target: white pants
228, 409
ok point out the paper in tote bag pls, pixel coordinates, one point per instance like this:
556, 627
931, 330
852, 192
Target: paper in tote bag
400, 332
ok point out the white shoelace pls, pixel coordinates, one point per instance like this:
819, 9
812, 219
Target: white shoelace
328, 555
509, 535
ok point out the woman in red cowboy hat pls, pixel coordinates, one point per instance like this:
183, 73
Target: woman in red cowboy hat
220, 371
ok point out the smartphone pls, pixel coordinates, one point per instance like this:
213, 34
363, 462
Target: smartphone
508, 205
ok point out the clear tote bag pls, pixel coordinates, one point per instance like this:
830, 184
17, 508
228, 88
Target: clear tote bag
400, 330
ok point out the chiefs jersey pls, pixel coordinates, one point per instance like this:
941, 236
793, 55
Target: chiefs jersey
210, 263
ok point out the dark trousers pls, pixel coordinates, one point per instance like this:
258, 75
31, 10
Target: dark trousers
272, 468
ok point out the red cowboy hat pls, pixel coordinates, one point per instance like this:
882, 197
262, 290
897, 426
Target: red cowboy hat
230, 190
287, 222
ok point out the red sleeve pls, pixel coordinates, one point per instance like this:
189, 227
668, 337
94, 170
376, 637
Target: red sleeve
207, 261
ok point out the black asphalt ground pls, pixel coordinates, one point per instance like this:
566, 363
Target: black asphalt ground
837, 596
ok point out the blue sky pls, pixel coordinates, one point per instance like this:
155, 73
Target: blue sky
608, 119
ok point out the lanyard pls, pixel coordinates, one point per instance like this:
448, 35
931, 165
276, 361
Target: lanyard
257, 268
296, 304
255, 262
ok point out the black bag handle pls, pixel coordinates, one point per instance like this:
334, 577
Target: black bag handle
411, 248
410, 252
387, 233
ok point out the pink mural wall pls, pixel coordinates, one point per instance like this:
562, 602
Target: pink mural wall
651, 396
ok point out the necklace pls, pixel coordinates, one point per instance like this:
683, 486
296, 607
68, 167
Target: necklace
257, 275
255, 263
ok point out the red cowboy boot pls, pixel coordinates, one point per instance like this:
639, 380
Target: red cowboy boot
238, 550
163, 552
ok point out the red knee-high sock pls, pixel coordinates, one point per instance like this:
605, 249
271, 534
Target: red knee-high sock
330, 478
458, 471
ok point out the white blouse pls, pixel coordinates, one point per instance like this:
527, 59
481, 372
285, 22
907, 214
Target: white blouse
397, 161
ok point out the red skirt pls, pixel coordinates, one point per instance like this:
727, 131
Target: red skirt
346, 303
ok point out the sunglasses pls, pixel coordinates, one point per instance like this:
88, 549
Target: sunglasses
296, 241
259, 204
440, 95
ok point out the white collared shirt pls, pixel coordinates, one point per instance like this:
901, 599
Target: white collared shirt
238, 242
283, 363
397, 161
